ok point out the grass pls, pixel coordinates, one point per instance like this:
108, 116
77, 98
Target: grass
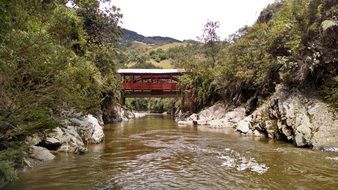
147, 48
165, 64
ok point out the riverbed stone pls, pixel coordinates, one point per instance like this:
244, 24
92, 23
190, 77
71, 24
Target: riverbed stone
185, 123
256, 133
40, 153
244, 125
216, 117
66, 139
202, 122
34, 139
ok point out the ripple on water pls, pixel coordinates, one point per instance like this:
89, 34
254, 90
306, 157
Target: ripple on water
332, 158
233, 159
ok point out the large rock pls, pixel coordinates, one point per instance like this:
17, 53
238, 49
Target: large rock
214, 112
34, 139
185, 123
40, 153
221, 119
244, 125
216, 117
64, 139
121, 114
89, 129
293, 116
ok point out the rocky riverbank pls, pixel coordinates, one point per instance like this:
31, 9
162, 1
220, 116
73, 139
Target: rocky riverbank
288, 115
72, 135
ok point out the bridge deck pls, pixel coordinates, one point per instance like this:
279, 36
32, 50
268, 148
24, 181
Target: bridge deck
150, 82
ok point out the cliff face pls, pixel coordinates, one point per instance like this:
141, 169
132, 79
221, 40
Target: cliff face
288, 115
292, 116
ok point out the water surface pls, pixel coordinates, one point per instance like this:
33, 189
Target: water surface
154, 153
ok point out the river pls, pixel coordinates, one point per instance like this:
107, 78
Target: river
155, 153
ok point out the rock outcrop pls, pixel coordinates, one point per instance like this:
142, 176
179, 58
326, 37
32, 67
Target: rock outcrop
90, 130
71, 136
121, 114
215, 116
290, 115
40, 153
64, 139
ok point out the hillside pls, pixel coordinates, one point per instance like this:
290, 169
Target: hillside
129, 36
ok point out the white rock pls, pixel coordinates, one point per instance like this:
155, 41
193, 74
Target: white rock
244, 125
216, 123
52, 140
305, 120
185, 123
66, 137
257, 134
216, 111
235, 115
202, 122
140, 114
90, 130
33, 139
40, 153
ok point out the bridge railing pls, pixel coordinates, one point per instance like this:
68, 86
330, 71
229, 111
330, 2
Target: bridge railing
150, 86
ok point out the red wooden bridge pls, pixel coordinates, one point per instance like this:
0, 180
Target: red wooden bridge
150, 82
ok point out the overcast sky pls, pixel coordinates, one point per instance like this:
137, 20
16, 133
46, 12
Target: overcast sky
184, 19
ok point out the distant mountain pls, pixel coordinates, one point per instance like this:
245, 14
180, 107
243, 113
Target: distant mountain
129, 35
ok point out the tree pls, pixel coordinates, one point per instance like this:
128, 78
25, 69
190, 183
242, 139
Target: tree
52, 58
211, 40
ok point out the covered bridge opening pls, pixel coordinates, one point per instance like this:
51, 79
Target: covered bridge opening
139, 83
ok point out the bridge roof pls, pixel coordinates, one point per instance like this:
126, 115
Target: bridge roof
151, 71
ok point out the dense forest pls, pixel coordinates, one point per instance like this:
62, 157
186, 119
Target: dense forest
293, 42
57, 56
53, 57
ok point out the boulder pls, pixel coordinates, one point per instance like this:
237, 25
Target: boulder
140, 114
244, 125
214, 112
235, 115
40, 153
185, 123
217, 123
215, 117
34, 139
202, 122
89, 129
64, 139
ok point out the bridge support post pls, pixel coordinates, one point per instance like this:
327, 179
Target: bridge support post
123, 99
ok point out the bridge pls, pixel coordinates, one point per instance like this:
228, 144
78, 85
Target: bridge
150, 82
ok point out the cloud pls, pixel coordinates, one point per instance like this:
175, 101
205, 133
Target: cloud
184, 19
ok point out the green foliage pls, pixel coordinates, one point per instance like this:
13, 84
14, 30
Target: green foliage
330, 91
293, 42
158, 55
154, 105
52, 58
7, 174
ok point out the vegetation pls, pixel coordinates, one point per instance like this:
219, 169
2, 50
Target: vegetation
129, 36
154, 105
293, 42
55, 57
52, 58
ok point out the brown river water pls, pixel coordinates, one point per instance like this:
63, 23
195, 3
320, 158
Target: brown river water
155, 153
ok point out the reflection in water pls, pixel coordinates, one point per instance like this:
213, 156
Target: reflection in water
154, 153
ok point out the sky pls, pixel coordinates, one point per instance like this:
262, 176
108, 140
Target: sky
184, 19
